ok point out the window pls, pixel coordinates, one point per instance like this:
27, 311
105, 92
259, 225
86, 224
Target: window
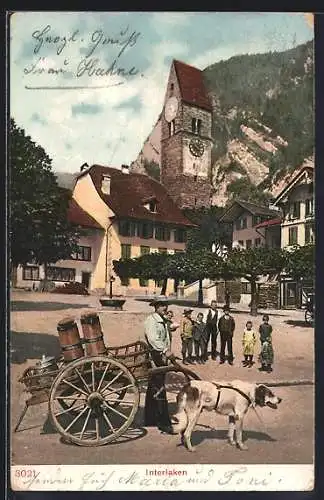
245, 287
162, 250
144, 250
180, 235
162, 233
257, 242
309, 234
309, 207
171, 88
30, 273
145, 230
248, 243
293, 235
196, 126
257, 219
60, 274
294, 210
241, 243
127, 228
124, 281
126, 251
241, 223
83, 253
152, 206
171, 128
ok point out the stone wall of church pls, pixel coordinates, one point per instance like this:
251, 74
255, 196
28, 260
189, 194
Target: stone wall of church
187, 192
171, 158
189, 112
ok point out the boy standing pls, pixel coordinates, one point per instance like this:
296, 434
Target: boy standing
199, 335
226, 326
186, 327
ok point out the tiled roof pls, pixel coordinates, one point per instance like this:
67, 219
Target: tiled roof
192, 87
129, 193
255, 209
239, 206
267, 223
77, 215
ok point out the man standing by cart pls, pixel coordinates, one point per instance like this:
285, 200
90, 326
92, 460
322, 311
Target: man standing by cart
157, 336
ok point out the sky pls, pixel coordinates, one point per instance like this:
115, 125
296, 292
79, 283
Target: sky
89, 86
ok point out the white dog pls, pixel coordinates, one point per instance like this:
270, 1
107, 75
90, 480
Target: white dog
232, 399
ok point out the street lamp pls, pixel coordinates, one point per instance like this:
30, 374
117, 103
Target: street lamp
111, 280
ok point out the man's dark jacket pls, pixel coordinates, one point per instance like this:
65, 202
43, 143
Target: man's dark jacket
226, 327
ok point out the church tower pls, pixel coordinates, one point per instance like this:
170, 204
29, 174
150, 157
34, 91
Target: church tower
186, 138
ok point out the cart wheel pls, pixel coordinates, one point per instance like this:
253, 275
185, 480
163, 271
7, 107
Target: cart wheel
309, 317
89, 391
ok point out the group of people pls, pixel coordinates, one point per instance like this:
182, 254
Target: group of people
196, 334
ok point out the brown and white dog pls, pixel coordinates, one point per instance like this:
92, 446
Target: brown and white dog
232, 399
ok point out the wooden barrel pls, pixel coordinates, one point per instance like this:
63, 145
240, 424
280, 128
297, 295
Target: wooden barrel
70, 340
92, 334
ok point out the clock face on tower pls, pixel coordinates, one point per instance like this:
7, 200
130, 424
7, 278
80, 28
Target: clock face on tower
171, 109
196, 147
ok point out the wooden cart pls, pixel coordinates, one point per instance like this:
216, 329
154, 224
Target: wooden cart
94, 399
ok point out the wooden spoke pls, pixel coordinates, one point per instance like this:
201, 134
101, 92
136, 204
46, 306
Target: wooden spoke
97, 429
69, 409
113, 380
82, 380
85, 424
76, 418
108, 421
74, 387
71, 398
116, 411
103, 377
121, 401
93, 377
112, 391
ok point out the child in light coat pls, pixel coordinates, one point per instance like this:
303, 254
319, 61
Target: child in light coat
249, 341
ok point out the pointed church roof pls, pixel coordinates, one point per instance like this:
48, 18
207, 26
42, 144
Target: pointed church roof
192, 86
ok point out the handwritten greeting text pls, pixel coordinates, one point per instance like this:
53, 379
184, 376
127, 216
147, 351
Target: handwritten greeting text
102, 54
192, 477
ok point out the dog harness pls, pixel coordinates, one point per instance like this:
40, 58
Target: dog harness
251, 403
219, 387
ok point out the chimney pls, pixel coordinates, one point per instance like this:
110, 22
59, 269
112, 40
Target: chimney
105, 183
125, 169
84, 167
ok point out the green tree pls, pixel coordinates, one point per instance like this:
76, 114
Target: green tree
190, 266
251, 264
243, 189
208, 229
149, 266
39, 229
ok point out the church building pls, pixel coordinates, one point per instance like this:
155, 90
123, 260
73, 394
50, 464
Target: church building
186, 142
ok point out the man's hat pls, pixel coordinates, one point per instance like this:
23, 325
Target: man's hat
158, 302
187, 310
226, 309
